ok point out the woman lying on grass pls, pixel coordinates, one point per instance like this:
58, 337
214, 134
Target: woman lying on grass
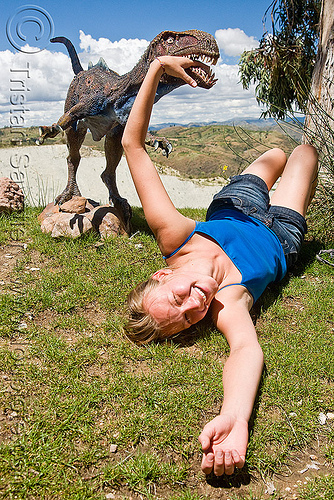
222, 265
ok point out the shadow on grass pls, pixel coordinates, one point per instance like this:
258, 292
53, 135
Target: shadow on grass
236, 480
138, 221
307, 255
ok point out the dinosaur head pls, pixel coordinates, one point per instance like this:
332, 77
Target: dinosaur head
194, 44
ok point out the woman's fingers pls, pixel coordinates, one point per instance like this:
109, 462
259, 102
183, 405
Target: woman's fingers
192, 68
219, 467
238, 460
207, 462
176, 66
228, 463
222, 462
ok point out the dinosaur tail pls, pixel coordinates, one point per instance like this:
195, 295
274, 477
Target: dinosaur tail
76, 65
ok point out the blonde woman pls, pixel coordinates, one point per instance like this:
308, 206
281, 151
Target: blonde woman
222, 265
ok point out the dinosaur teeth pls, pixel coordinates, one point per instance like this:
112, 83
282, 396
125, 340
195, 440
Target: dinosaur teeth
203, 57
205, 78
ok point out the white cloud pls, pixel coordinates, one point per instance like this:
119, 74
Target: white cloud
36, 83
234, 41
50, 74
226, 100
121, 56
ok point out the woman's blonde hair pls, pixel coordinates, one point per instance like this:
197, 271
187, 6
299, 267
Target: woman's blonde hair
141, 327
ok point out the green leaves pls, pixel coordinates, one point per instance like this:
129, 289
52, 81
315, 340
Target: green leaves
282, 65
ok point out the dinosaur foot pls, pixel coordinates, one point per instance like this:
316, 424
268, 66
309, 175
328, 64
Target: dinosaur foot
122, 205
46, 132
66, 195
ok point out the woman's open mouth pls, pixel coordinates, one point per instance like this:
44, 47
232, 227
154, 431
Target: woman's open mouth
201, 293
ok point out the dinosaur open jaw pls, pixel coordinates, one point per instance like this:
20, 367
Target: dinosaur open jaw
204, 78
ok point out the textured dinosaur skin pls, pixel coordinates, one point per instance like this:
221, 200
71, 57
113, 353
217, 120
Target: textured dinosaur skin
101, 100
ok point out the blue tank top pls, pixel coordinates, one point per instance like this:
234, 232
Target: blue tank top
252, 247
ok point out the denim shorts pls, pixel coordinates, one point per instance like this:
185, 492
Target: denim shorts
249, 194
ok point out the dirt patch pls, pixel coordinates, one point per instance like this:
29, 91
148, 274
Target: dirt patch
92, 315
9, 255
302, 467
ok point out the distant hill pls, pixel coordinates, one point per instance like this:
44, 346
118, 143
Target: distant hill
199, 151
259, 123
218, 150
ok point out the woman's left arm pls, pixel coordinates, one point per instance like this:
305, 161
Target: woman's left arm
224, 439
169, 226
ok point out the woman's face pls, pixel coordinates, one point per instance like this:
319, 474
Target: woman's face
181, 300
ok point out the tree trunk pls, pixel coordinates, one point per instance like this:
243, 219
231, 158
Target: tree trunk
319, 122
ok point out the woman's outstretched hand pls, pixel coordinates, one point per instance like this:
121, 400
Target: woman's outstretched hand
224, 442
176, 66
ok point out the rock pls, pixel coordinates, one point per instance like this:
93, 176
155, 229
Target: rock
91, 204
113, 448
322, 418
71, 225
76, 205
312, 465
48, 221
48, 211
330, 415
107, 221
79, 215
11, 196
270, 489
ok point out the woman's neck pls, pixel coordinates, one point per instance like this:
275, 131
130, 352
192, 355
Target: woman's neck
202, 254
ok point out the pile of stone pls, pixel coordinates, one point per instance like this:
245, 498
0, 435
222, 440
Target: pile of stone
80, 215
11, 196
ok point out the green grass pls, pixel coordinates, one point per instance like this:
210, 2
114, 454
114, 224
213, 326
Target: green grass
72, 385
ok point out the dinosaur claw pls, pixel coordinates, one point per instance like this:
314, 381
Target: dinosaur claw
46, 132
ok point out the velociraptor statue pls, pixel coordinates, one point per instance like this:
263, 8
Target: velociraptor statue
101, 100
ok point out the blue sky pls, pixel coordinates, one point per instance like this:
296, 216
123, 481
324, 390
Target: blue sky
119, 31
143, 19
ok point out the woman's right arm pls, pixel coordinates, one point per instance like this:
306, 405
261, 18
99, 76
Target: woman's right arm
169, 226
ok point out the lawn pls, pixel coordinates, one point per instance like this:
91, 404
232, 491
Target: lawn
85, 414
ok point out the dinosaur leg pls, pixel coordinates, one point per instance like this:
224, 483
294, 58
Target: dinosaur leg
75, 139
113, 151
